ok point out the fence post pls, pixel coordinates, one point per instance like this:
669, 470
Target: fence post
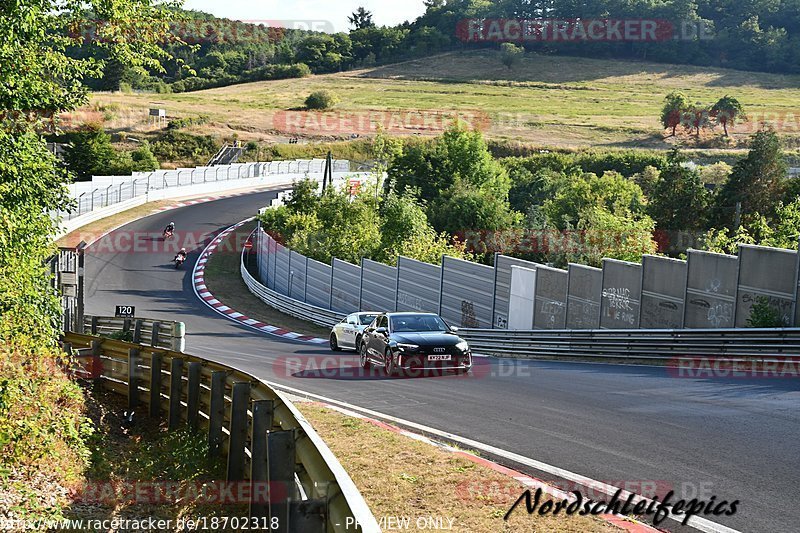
216, 415
240, 399
281, 455
94, 325
133, 379
97, 351
154, 335
193, 397
137, 331
309, 516
155, 385
175, 391
263, 411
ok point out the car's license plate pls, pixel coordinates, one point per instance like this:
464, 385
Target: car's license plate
438, 358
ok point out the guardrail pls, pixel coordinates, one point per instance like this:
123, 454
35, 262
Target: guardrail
162, 334
657, 344
264, 438
284, 304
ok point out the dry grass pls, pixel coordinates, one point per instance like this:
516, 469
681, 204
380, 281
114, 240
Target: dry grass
92, 231
549, 100
402, 477
224, 280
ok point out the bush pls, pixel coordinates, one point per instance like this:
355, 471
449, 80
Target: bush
321, 100
764, 315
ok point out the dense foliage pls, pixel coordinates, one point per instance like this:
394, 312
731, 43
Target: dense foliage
761, 35
42, 422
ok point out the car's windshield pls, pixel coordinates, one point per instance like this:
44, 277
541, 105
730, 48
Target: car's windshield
366, 320
418, 323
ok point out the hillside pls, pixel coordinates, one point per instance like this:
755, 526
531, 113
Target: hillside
547, 100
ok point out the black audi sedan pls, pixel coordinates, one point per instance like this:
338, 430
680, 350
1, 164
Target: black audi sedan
413, 342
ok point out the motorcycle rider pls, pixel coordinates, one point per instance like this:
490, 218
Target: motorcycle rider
181, 256
170, 229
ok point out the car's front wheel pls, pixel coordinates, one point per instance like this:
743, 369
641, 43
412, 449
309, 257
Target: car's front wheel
389, 365
362, 356
335, 343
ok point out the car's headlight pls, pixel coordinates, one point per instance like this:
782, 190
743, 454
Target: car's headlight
463, 346
407, 347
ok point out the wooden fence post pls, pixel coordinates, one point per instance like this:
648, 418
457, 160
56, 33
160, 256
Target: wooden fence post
216, 413
175, 392
240, 400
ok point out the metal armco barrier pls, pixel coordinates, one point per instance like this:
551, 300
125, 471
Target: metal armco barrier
284, 304
657, 345
162, 334
263, 437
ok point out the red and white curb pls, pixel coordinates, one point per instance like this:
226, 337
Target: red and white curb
202, 292
628, 524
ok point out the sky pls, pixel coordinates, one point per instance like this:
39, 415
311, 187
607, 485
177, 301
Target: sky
322, 15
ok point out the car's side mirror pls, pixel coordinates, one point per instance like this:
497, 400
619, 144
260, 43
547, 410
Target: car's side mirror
454, 329
381, 331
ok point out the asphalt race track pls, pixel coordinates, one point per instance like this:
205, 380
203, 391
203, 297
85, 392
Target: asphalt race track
736, 439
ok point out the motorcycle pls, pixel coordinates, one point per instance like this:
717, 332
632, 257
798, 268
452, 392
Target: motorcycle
167, 235
179, 261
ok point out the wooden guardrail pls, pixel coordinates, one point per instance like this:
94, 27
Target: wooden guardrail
263, 437
159, 333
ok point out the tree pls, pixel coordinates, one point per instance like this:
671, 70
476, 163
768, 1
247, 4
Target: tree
675, 105
361, 19
756, 181
696, 117
726, 111
679, 199
90, 153
510, 54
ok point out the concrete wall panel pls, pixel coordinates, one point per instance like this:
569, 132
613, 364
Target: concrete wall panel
768, 273
318, 288
710, 290
418, 286
378, 286
622, 295
467, 293
346, 290
503, 264
663, 292
585, 289
551, 298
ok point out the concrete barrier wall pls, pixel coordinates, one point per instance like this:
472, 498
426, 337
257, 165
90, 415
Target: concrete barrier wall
710, 290
663, 292
297, 275
418, 286
378, 286
318, 286
503, 265
707, 291
550, 311
346, 290
622, 295
467, 293
769, 274
584, 292
797, 293
282, 269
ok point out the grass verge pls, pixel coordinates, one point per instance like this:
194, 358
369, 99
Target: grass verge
400, 477
224, 280
91, 231
139, 470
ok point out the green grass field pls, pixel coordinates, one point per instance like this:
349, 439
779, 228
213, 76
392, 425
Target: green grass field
545, 100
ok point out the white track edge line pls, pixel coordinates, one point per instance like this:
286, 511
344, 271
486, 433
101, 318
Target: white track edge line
697, 522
